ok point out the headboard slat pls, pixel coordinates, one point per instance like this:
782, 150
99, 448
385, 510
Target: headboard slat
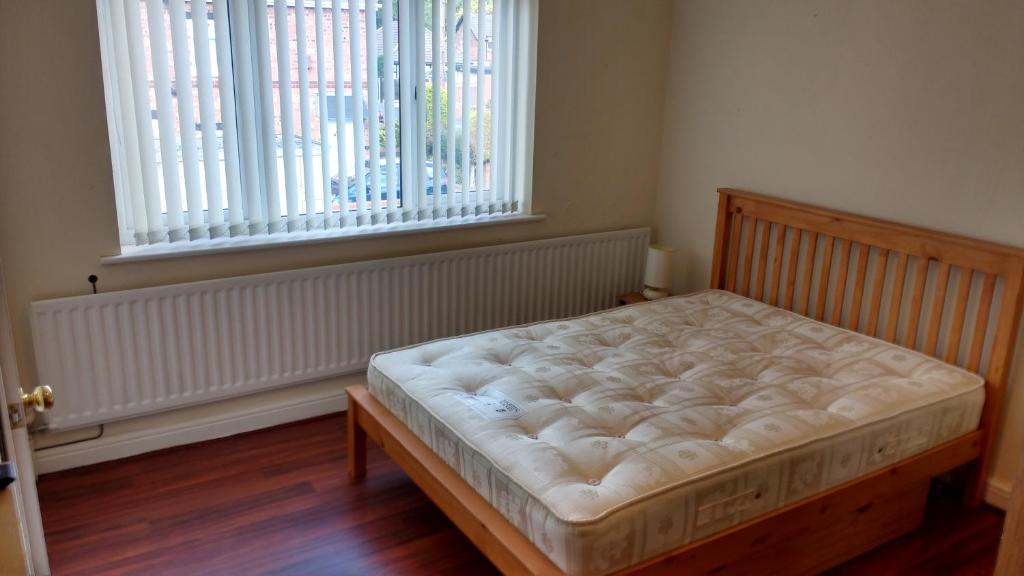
897, 297
808, 279
860, 280
881, 263
762, 260
934, 324
963, 294
844, 272
828, 248
826, 271
750, 224
780, 244
916, 302
988, 289
794, 259
734, 247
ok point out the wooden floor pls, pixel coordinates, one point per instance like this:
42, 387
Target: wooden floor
278, 501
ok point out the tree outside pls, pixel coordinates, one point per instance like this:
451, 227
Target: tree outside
460, 132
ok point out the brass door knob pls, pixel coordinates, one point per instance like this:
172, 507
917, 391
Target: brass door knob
39, 399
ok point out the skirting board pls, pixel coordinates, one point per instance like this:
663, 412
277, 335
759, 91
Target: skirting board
191, 425
997, 493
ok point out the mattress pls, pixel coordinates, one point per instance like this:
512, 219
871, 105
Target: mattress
614, 437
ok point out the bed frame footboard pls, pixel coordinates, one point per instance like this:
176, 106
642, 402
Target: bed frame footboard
836, 525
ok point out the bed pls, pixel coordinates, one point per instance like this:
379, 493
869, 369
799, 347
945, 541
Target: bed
730, 431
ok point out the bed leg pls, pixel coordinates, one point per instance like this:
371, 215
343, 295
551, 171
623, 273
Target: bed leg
977, 471
974, 490
356, 442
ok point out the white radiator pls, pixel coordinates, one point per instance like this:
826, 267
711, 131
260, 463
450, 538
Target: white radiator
124, 354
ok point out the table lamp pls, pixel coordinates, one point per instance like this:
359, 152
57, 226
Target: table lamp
658, 273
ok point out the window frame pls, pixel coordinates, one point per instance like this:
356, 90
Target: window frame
517, 143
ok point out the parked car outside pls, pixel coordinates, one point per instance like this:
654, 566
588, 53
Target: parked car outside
382, 176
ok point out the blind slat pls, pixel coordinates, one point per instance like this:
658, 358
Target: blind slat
186, 119
143, 189
374, 113
497, 83
250, 118
305, 119
481, 198
522, 70
358, 125
504, 71
265, 107
421, 105
508, 105
339, 109
465, 117
284, 90
321, 91
437, 89
389, 110
165, 120
115, 135
409, 113
225, 76
450, 158
207, 119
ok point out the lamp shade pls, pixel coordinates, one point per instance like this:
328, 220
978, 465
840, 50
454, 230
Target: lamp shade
658, 273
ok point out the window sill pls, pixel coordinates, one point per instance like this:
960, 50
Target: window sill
250, 243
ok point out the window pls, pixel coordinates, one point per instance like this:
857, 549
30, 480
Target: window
267, 117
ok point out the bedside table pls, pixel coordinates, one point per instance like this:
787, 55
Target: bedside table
629, 298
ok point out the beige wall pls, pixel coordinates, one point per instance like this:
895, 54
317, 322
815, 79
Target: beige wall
598, 125
906, 110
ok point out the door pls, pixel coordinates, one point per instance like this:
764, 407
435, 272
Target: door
22, 546
13, 535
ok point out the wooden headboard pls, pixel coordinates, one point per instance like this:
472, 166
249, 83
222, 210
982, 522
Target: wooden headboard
948, 296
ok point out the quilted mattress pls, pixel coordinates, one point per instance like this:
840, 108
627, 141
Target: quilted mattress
611, 438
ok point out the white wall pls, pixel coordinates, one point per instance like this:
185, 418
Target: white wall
909, 110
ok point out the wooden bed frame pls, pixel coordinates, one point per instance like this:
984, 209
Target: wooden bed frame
840, 268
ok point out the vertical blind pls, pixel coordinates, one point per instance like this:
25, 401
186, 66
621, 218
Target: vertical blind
254, 117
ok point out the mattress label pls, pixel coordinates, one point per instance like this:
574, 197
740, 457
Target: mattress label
494, 406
